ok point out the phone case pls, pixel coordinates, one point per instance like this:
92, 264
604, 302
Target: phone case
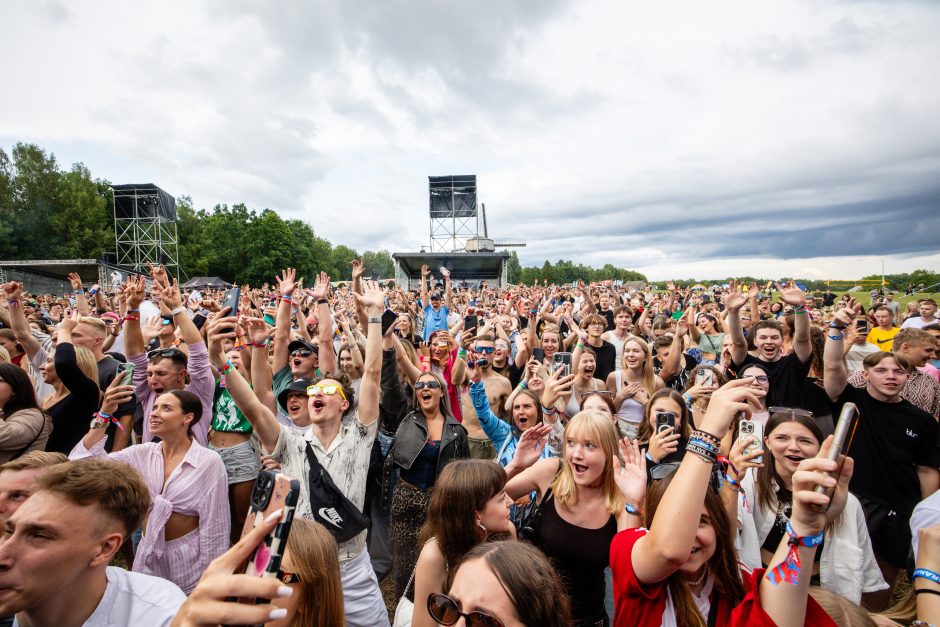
752, 429
265, 561
126, 371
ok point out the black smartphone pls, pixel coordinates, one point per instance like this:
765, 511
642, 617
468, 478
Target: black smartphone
861, 325
665, 420
470, 323
538, 355
389, 318
231, 299
199, 320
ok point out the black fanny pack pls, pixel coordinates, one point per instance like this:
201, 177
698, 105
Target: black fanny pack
329, 505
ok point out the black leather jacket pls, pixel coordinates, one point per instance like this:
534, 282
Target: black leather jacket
410, 427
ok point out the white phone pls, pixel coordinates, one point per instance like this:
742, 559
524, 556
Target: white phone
752, 429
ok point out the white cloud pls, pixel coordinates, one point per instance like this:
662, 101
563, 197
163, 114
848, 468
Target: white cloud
683, 138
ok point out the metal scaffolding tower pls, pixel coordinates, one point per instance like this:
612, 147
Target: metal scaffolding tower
145, 227
453, 211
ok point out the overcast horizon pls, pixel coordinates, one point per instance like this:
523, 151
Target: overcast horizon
679, 139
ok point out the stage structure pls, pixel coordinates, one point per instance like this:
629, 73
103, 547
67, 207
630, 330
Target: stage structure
456, 242
51, 276
145, 227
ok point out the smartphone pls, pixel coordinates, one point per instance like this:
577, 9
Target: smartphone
861, 325
538, 354
231, 299
705, 377
199, 320
841, 439
665, 420
751, 429
562, 361
388, 319
272, 491
126, 372
470, 323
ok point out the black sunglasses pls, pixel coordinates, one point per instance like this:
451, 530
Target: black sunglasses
445, 611
433, 385
302, 352
167, 353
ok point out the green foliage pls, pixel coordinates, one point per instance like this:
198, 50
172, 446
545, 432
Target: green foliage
565, 271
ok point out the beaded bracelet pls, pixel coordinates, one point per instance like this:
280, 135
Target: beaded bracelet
708, 446
698, 433
704, 453
799, 309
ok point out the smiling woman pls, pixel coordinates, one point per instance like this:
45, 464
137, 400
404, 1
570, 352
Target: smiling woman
845, 563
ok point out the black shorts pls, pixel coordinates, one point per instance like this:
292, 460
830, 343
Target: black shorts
890, 532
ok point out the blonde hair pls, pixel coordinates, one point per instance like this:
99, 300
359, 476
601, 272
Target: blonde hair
100, 330
33, 459
647, 376
598, 428
314, 558
86, 363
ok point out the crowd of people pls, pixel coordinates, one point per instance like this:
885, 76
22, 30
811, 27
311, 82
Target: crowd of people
581, 454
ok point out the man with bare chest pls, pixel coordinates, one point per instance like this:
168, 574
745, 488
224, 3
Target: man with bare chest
497, 391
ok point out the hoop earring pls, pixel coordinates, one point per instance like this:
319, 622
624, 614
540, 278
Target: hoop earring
483, 527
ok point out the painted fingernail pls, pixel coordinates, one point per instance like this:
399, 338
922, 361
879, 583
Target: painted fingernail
274, 516
284, 591
277, 614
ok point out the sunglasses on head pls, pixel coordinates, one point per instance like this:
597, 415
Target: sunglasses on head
484, 349
431, 385
445, 611
328, 389
792, 411
164, 352
302, 352
607, 392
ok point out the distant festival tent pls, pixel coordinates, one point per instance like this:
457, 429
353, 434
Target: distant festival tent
206, 282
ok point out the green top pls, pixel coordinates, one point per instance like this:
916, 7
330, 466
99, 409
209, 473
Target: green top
226, 417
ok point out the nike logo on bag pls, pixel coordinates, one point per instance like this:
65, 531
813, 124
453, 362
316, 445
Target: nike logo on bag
911, 433
331, 515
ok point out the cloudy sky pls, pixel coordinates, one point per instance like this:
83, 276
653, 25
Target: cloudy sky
677, 138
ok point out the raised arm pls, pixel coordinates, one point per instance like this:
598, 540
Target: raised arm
673, 363
448, 302
666, 547
66, 363
835, 374
81, 302
133, 338
286, 286
262, 379
424, 285
14, 295
733, 304
373, 300
262, 419
792, 295
321, 292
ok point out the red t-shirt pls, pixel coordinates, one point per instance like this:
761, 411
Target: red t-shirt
643, 604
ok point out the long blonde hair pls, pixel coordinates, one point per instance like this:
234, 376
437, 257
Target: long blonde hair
647, 375
314, 557
86, 363
598, 428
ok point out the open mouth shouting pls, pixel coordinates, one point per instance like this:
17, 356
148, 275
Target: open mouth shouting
795, 459
295, 404
297, 363
317, 404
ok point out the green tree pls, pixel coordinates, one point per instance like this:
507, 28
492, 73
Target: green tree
513, 268
378, 264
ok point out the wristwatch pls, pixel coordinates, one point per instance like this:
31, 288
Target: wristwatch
98, 423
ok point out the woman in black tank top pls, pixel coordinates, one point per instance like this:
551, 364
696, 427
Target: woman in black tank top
580, 508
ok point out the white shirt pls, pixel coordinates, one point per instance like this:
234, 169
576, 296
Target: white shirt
347, 461
926, 514
916, 322
135, 599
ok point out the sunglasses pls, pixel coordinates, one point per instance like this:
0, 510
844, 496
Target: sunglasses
431, 385
445, 611
761, 378
328, 389
791, 411
165, 352
302, 352
486, 350
607, 392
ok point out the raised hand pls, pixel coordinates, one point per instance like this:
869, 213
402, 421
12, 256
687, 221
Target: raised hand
13, 290
286, 282
727, 402
321, 288
741, 461
357, 268
75, 280
425, 270
734, 299
531, 444
372, 298
791, 294
846, 315
630, 475
812, 510
556, 385
170, 294
662, 443
136, 290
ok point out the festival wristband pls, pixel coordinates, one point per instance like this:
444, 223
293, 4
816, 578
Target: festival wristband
929, 575
837, 338
789, 569
631, 509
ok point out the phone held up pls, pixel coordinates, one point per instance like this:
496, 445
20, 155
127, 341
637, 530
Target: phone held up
752, 431
232, 298
705, 377
388, 319
665, 420
562, 361
126, 372
841, 440
272, 491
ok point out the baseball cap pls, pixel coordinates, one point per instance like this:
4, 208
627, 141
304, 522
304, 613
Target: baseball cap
298, 385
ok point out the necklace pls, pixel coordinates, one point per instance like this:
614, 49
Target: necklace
701, 578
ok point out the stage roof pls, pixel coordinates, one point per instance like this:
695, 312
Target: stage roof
462, 265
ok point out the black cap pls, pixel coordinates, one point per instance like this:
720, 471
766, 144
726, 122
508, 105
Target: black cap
298, 385
298, 344
435, 296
